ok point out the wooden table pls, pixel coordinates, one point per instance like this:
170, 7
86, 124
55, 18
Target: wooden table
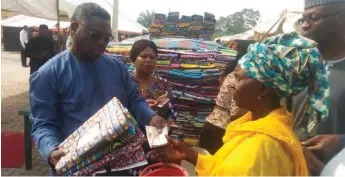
25, 112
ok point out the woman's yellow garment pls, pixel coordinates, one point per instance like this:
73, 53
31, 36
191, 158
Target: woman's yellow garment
265, 147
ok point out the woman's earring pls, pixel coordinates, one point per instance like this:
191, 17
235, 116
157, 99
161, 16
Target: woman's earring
259, 98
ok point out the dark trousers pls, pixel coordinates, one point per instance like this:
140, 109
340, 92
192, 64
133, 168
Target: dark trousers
211, 138
23, 56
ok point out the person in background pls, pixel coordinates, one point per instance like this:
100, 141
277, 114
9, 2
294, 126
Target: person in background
262, 142
75, 84
225, 110
40, 49
72, 30
324, 22
151, 87
24, 38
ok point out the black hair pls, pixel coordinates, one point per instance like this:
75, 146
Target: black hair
43, 26
140, 46
242, 49
88, 10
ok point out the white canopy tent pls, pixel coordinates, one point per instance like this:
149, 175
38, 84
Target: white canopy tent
285, 23
21, 20
243, 36
46, 9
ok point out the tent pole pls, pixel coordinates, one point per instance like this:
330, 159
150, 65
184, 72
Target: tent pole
58, 26
115, 20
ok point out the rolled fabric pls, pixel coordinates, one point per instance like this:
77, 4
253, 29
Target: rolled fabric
290, 63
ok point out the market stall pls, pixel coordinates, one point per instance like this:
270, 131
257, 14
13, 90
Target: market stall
192, 68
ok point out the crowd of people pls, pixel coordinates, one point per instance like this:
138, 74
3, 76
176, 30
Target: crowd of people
40, 45
279, 111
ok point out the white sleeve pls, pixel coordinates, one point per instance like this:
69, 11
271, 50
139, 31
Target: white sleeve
21, 38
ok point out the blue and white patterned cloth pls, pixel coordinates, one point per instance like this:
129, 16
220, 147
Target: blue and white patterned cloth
289, 63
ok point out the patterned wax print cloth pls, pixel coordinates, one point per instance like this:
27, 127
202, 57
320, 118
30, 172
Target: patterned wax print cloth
226, 109
289, 63
106, 125
159, 88
119, 156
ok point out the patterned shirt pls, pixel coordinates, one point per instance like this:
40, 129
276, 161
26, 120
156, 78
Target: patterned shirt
160, 90
226, 108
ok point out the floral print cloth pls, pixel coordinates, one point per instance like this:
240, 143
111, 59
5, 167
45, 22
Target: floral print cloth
226, 109
289, 63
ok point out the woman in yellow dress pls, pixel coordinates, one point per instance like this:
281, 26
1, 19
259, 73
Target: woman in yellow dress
262, 142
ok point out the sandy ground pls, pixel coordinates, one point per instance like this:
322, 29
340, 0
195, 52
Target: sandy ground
14, 96
14, 91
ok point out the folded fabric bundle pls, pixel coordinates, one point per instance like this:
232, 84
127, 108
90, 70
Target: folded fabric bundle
170, 28
196, 56
129, 157
185, 18
183, 25
228, 52
119, 49
171, 66
225, 57
155, 30
159, 16
104, 126
158, 25
181, 33
193, 96
197, 18
182, 73
216, 75
208, 95
135, 138
173, 16
158, 21
163, 62
111, 123
208, 16
198, 66
206, 32
211, 70
195, 28
168, 56
210, 22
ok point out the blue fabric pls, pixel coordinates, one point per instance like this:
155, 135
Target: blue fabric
66, 91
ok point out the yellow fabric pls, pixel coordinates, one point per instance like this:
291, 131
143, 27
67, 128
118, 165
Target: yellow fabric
265, 147
191, 66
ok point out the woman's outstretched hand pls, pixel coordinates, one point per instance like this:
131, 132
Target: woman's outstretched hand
175, 151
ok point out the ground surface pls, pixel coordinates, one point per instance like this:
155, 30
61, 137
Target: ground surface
14, 95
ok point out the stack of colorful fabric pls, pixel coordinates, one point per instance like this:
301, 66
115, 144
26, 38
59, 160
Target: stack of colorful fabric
173, 17
194, 27
171, 25
192, 67
157, 24
183, 25
208, 26
110, 137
